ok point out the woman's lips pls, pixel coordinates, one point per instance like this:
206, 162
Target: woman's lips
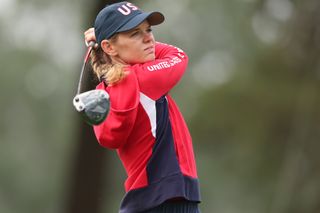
149, 49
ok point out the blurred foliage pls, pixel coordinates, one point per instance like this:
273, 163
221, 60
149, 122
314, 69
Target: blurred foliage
250, 96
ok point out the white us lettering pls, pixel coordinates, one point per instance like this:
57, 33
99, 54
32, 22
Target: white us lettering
124, 10
127, 8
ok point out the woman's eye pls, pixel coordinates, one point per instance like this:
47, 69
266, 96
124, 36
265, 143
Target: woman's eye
149, 30
135, 33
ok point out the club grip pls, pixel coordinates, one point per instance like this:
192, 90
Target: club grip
91, 44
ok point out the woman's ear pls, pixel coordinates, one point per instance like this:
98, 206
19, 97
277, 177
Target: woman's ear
108, 48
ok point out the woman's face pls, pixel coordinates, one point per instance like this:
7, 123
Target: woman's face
134, 46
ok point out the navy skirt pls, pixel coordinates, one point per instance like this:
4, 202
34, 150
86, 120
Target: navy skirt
175, 207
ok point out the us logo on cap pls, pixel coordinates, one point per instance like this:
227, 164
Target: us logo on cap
126, 9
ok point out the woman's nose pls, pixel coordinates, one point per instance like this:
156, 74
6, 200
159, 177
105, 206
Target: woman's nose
148, 36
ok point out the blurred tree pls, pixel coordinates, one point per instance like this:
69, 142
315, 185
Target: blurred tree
296, 189
263, 125
88, 178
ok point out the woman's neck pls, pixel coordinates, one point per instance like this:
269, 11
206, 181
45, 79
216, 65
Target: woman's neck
117, 60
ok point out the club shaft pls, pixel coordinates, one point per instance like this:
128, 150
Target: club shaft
85, 61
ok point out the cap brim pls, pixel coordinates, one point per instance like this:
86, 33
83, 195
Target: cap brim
154, 18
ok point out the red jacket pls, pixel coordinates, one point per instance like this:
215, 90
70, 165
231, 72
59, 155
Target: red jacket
149, 133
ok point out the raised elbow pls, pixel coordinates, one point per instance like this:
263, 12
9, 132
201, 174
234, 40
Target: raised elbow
109, 143
108, 138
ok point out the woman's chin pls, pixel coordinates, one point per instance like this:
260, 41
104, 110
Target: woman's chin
150, 57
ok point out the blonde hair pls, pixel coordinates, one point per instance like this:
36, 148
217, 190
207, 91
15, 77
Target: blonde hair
103, 67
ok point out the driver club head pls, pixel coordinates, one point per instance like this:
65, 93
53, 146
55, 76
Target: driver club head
93, 105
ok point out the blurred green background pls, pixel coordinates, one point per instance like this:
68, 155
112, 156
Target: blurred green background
251, 98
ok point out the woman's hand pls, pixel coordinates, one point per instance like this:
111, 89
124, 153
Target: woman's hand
90, 37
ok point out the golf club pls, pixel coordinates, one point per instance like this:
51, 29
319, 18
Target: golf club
93, 104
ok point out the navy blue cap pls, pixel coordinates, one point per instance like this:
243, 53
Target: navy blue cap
121, 17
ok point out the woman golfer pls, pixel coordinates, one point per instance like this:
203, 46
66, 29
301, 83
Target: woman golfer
144, 124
